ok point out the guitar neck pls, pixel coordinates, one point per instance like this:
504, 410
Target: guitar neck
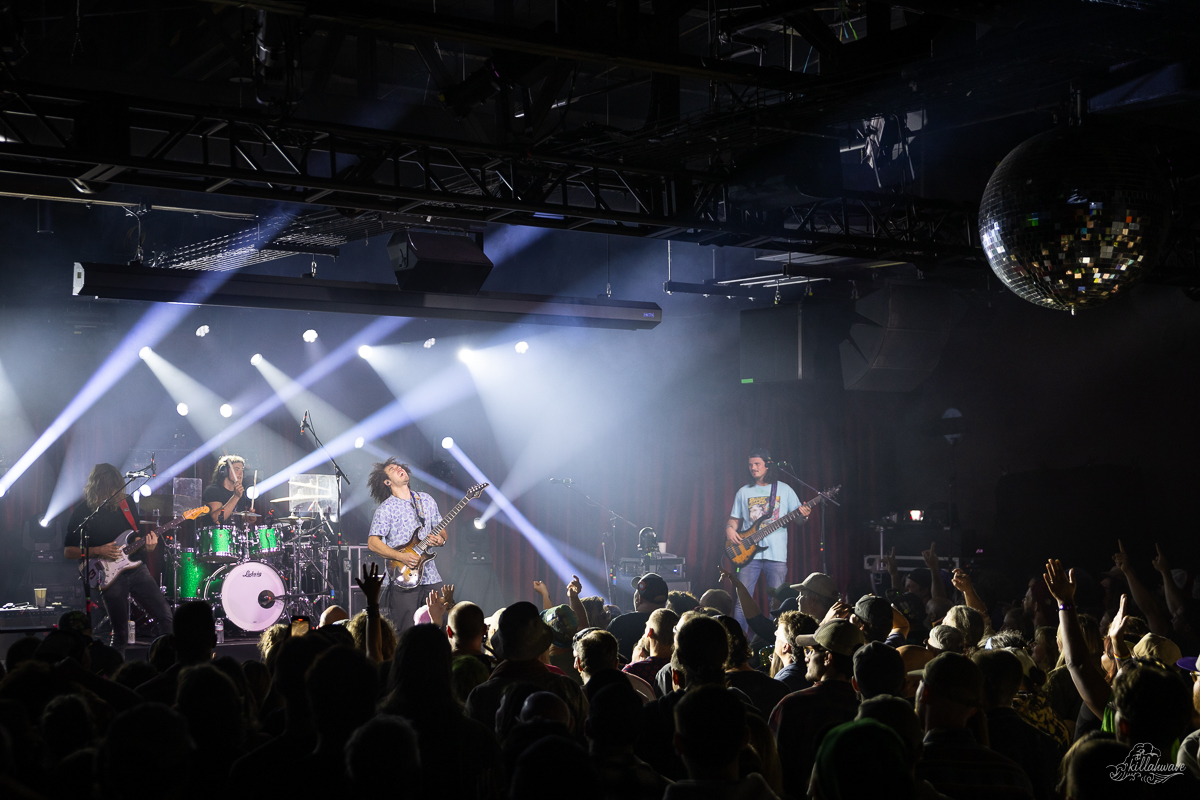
775, 524
423, 545
133, 547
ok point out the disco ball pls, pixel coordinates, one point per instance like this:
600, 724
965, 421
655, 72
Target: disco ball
1073, 217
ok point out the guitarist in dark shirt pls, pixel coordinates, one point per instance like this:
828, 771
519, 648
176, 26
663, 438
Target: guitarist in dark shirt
118, 515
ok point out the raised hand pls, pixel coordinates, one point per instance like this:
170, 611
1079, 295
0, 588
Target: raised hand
437, 609
931, 558
1121, 558
1116, 629
575, 587
838, 610
1160, 561
1060, 581
448, 595
370, 583
540, 588
962, 581
890, 562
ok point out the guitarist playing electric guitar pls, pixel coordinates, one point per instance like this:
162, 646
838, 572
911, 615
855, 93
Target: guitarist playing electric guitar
402, 514
753, 502
118, 515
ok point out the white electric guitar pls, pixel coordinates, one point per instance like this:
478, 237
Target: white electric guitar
103, 571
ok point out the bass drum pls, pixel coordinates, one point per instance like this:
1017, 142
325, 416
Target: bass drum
243, 590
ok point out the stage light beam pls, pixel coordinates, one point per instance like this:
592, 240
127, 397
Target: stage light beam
310, 336
478, 523
430, 342
182, 409
202, 331
522, 347
359, 442
226, 410
447, 443
364, 351
256, 359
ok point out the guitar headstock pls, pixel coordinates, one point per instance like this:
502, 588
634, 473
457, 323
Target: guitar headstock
833, 492
475, 491
196, 513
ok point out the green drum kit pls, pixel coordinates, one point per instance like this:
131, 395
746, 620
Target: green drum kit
255, 573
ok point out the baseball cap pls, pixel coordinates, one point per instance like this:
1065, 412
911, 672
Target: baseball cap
1157, 648
946, 638
651, 586
563, 622
837, 636
522, 634
818, 583
791, 604
874, 610
1187, 663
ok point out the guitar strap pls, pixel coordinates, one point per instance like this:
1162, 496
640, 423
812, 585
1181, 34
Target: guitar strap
129, 515
771, 502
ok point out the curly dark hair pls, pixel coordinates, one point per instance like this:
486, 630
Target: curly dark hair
376, 481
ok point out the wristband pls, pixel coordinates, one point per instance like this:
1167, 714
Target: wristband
1066, 607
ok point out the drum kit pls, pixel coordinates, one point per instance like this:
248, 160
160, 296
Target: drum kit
256, 569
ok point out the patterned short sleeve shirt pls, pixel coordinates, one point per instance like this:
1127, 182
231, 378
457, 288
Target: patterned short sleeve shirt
396, 521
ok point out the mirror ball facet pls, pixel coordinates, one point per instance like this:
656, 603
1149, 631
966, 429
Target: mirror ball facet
1073, 217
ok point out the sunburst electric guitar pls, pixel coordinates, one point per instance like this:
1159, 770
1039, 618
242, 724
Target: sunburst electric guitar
741, 553
407, 577
101, 571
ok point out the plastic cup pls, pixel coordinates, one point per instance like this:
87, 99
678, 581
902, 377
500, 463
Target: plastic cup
39, 597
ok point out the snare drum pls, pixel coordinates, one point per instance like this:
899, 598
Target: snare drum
265, 541
217, 546
245, 591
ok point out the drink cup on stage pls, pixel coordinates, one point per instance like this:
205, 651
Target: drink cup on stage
39, 597
662, 547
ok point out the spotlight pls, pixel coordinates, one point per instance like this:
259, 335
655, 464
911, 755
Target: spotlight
466, 356
522, 347
252, 492
145, 490
44, 522
202, 331
226, 410
256, 359
359, 442
182, 409
479, 523
144, 352
447, 443
364, 351
430, 342
310, 336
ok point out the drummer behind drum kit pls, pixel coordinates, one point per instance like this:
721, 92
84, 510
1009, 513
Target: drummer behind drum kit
253, 573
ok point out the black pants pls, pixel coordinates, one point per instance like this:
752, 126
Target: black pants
136, 582
399, 605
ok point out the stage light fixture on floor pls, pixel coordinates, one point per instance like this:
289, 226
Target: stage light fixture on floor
310, 336
182, 409
430, 342
447, 443
202, 331
256, 359
145, 351
522, 347
359, 442
226, 410
145, 490
364, 351
478, 523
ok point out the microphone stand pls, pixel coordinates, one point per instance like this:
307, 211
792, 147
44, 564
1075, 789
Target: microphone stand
783, 467
337, 471
86, 543
613, 519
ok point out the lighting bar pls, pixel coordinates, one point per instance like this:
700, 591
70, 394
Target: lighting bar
126, 282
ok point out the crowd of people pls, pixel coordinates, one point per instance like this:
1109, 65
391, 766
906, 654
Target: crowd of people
947, 683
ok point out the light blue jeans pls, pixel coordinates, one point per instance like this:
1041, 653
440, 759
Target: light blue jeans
774, 572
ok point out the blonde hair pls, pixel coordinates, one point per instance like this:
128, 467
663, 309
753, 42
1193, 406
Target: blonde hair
358, 629
104, 484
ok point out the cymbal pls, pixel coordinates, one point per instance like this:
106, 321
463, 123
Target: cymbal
282, 500
245, 515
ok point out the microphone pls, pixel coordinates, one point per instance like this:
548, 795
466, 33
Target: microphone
153, 467
304, 422
563, 481
138, 474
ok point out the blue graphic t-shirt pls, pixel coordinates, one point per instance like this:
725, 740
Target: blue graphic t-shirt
395, 521
750, 503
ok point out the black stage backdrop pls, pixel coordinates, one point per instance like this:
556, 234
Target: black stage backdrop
675, 469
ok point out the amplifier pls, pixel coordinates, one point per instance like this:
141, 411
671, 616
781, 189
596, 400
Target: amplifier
670, 567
